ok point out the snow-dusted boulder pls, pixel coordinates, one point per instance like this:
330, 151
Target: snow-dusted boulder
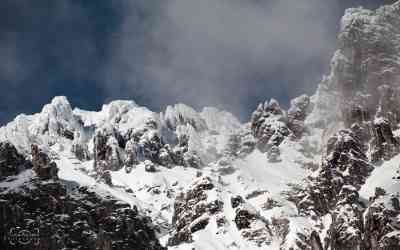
268, 124
44, 167
251, 225
297, 113
193, 209
384, 144
107, 151
80, 146
382, 221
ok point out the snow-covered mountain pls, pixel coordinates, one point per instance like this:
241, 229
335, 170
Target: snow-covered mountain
323, 174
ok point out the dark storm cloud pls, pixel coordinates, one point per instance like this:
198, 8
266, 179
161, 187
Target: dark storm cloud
228, 50
227, 53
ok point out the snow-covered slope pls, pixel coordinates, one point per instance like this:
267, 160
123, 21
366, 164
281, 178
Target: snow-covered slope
148, 182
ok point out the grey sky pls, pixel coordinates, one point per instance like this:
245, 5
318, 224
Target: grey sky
226, 53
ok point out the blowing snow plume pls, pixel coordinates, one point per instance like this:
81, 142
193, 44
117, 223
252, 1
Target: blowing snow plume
217, 52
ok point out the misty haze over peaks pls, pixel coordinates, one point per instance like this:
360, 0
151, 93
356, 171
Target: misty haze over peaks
229, 54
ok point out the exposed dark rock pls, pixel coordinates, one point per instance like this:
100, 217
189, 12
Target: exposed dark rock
346, 231
80, 148
382, 222
58, 218
147, 144
367, 46
68, 134
365, 76
346, 166
107, 155
315, 241
106, 177
131, 158
244, 217
192, 211
297, 113
76, 220
335, 191
81, 152
199, 224
253, 227
42, 165
221, 220
236, 201
166, 157
270, 204
149, 166
268, 125
346, 154
150, 148
11, 162
260, 236
384, 144
281, 226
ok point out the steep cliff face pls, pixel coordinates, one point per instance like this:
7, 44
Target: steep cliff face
364, 81
369, 50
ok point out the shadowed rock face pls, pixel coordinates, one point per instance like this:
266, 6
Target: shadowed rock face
44, 168
268, 125
366, 73
69, 219
381, 217
345, 169
297, 113
334, 191
368, 47
192, 211
114, 151
79, 219
244, 218
252, 226
365, 79
107, 154
11, 162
